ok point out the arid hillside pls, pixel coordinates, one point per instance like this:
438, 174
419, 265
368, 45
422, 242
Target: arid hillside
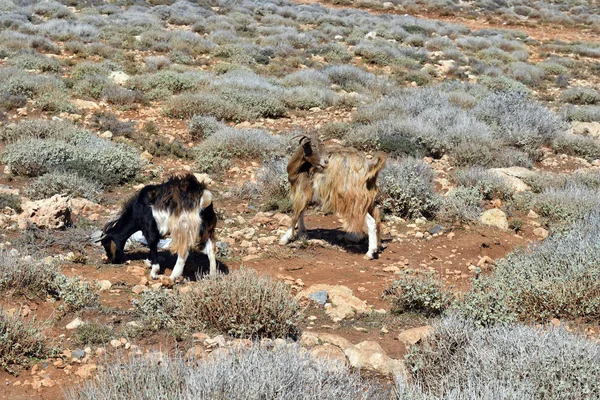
488, 282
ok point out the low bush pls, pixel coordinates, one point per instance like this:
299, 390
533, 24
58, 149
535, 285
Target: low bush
271, 186
461, 205
236, 375
460, 360
419, 293
582, 113
216, 152
563, 204
580, 146
581, 95
406, 189
92, 333
10, 200
490, 185
242, 304
557, 278
20, 343
68, 183
34, 61
201, 126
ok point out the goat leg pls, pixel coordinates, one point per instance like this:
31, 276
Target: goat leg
373, 237
210, 250
178, 268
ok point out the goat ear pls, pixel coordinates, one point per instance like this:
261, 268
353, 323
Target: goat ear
101, 238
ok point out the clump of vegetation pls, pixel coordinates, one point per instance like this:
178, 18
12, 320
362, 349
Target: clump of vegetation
581, 95
419, 293
557, 278
461, 205
406, 189
490, 185
92, 333
241, 304
41, 278
10, 200
581, 146
461, 360
20, 343
68, 183
272, 185
216, 152
202, 126
235, 375
582, 113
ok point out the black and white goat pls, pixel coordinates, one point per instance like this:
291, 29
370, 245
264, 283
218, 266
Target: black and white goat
181, 207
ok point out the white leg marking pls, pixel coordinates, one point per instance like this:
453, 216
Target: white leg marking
372, 227
178, 268
208, 250
288, 235
154, 271
301, 226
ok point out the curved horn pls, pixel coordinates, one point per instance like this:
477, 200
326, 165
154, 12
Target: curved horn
302, 137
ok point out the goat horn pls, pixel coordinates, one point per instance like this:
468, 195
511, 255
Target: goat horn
100, 238
301, 136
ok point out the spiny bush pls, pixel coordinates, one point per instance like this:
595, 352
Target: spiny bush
40, 278
581, 95
581, 146
34, 61
216, 152
92, 333
20, 343
461, 205
503, 84
421, 293
546, 180
68, 183
236, 375
10, 200
557, 278
271, 185
490, 185
201, 126
582, 113
162, 84
242, 304
42, 129
406, 189
460, 360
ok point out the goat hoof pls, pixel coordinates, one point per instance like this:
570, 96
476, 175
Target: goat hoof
283, 241
148, 263
369, 256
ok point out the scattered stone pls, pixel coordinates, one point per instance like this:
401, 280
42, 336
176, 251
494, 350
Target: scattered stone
310, 339
329, 352
86, 370
485, 260
74, 324
119, 77
344, 303
47, 382
541, 233
78, 354
81, 206
436, 229
85, 104
116, 343
106, 135
147, 156
494, 217
52, 213
104, 285
513, 177
167, 282
319, 297
369, 355
391, 268
532, 215
137, 289
414, 335
204, 178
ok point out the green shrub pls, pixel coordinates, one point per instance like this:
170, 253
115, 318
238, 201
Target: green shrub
158, 309
10, 200
490, 185
581, 95
562, 205
460, 360
43, 129
581, 146
74, 293
202, 126
68, 183
20, 343
216, 152
285, 372
462, 205
34, 61
272, 185
422, 294
92, 333
503, 84
406, 189
242, 304
582, 113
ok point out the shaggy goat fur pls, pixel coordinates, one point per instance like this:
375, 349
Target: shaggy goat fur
181, 207
341, 180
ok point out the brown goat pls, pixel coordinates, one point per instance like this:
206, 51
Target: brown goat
341, 180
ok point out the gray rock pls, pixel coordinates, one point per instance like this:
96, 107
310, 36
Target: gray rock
78, 354
436, 229
319, 297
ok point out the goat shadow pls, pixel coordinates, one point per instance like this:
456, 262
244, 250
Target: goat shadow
196, 265
336, 237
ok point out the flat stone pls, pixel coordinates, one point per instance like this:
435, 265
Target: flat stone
74, 324
494, 217
415, 335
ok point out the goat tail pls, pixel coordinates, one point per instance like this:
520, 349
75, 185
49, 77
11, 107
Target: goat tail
376, 164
